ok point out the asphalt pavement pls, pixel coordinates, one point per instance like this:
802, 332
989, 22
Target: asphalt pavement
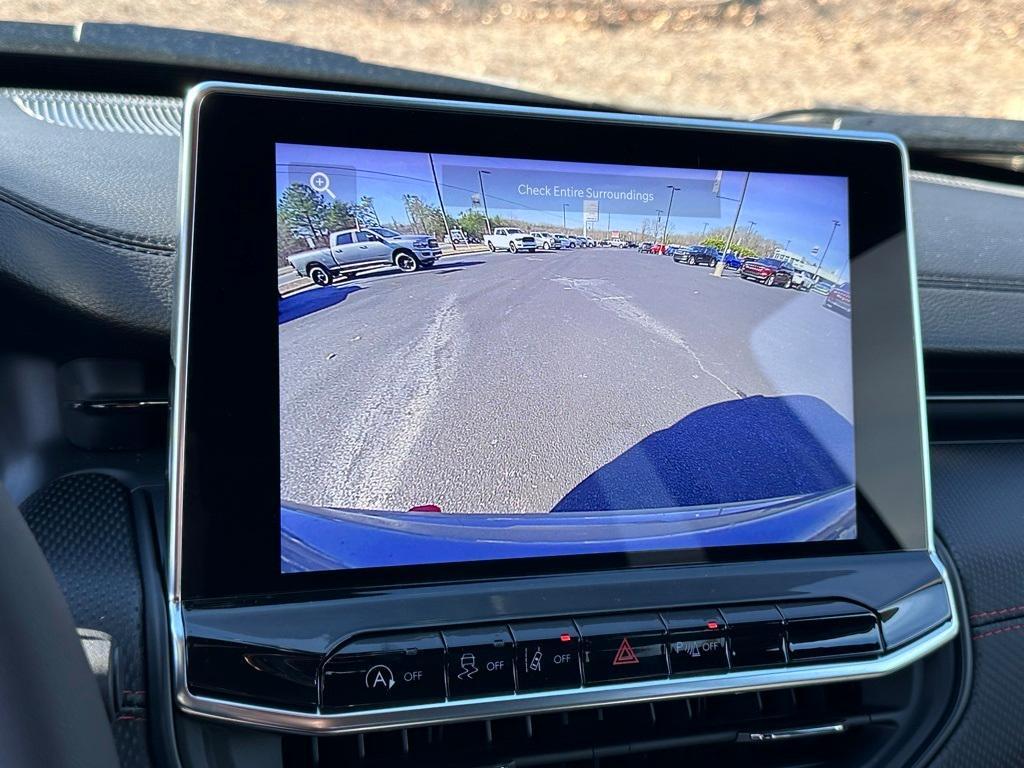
583, 379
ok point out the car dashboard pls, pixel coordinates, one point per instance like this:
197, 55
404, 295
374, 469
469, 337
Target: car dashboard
87, 276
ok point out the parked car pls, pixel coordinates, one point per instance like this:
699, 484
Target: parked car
457, 237
659, 248
767, 270
733, 260
547, 241
511, 239
823, 286
839, 298
354, 250
698, 254
645, 247
562, 242
802, 281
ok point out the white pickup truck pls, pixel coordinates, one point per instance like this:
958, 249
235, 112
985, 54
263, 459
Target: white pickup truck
511, 239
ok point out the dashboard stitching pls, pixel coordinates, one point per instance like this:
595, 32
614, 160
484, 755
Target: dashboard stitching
999, 612
76, 227
1001, 630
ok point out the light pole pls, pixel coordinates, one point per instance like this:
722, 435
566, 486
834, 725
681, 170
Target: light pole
668, 214
750, 228
657, 224
483, 197
817, 269
440, 202
704, 231
720, 266
564, 207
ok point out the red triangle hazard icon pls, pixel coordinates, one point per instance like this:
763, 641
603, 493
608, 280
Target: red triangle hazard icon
625, 654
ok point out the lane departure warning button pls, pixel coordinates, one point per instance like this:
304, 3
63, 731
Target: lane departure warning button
620, 648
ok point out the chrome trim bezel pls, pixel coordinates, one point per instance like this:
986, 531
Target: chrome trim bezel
451, 711
741, 681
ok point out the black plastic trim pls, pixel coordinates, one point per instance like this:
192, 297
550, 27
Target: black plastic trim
146, 503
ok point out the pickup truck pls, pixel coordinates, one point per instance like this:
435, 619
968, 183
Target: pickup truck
354, 250
548, 241
511, 239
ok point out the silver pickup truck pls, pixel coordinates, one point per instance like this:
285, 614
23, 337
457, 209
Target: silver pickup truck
353, 250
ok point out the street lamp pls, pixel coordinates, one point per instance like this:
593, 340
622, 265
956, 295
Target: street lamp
564, 207
483, 197
750, 227
704, 231
668, 214
817, 269
720, 266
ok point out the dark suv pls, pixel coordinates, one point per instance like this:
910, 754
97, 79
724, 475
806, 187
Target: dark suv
839, 298
768, 271
698, 254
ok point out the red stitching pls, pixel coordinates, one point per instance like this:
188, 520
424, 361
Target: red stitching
1001, 611
999, 631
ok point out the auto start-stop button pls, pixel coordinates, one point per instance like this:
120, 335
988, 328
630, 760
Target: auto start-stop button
386, 671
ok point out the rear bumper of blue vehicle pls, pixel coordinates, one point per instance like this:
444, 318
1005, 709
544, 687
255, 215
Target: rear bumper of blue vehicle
327, 539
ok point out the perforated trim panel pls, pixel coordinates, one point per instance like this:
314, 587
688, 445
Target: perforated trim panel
83, 524
977, 492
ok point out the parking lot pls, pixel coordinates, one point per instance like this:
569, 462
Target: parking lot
597, 378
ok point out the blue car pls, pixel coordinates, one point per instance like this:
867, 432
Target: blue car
733, 260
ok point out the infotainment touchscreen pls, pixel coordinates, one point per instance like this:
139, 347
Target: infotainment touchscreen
486, 358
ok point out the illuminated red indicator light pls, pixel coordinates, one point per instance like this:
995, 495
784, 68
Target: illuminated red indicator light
712, 625
565, 638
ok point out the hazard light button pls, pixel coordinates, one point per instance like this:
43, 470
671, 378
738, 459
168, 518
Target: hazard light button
620, 648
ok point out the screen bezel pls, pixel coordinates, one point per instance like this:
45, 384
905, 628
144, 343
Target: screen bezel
225, 493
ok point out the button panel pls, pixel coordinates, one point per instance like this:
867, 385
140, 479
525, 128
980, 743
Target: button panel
830, 631
623, 648
696, 642
386, 671
562, 654
547, 655
479, 662
756, 636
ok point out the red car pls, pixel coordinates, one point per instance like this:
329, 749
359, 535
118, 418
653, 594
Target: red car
768, 271
839, 298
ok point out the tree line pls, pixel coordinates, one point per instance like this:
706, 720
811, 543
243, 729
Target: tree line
306, 218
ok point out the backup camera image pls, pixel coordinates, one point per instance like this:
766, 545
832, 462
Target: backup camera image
486, 358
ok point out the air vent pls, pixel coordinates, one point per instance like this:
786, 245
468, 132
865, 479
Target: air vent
610, 736
877, 722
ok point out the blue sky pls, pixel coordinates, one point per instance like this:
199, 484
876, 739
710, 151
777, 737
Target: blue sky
785, 207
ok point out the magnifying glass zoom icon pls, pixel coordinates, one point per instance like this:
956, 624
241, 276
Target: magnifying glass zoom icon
321, 182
